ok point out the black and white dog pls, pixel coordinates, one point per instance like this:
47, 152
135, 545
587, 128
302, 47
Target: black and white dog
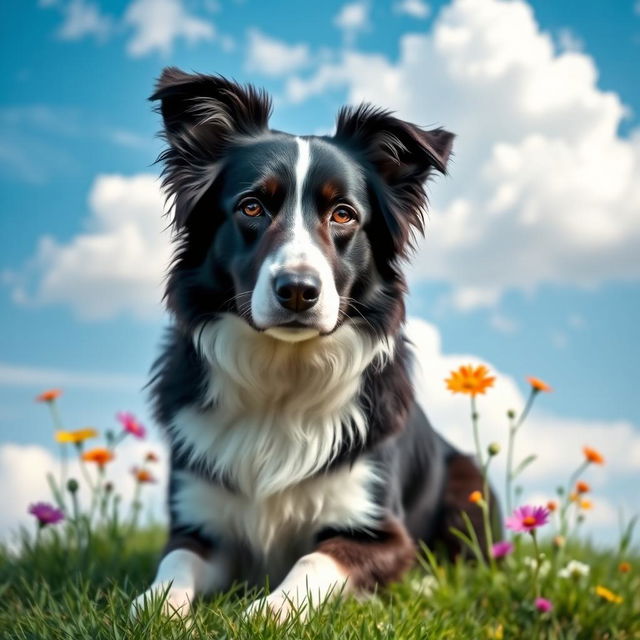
297, 449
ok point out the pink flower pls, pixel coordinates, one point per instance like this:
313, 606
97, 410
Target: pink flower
46, 513
543, 605
501, 549
130, 424
527, 518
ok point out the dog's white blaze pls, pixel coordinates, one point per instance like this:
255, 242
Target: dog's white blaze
300, 252
181, 575
313, 579
291, 516
275, 412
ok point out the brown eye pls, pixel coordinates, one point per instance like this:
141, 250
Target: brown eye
342, 215
251, 208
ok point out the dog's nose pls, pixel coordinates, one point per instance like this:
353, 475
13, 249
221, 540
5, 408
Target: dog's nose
297, 291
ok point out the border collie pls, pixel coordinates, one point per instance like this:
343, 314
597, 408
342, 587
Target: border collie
297, 449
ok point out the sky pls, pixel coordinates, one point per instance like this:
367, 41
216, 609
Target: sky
530, 261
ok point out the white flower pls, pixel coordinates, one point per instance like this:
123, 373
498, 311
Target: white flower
531, 563
574, 569
425, 585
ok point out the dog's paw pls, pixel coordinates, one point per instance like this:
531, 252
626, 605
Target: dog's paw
279, 606
175, 601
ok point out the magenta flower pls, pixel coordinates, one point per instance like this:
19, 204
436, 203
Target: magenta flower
543, 605
526, 519
46, 513
130, 424
501, 549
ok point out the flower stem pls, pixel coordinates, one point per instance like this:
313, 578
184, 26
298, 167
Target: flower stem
536, 573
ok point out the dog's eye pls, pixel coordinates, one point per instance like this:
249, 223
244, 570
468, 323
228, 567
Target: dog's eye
343, 214
251, 208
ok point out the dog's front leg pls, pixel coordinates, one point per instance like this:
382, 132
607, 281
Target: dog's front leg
343, 562
185, 571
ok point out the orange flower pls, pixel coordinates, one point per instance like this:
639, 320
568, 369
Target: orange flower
624, 567
582, 487
143, 475
470, 380
552, 505
586, 504
100, 456
49, 396
573, 497
538, 385
475, 497
592, 455
75, 437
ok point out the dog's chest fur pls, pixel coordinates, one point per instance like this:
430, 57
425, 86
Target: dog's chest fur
273, 415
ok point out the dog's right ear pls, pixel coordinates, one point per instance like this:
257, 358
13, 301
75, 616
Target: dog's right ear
202, 116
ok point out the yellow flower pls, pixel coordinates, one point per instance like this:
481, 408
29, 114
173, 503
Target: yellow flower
100, 456
75, 437
592, 455
538, 385
475, 497
608, 595
470, 380
586, 505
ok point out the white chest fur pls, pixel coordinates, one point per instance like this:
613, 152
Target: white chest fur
276, 413
341, 498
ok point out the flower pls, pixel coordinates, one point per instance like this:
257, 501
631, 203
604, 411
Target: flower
143, 476
552, 505
538, 385
624, 567
582, 487
573, 496
493, 449
592, 455
574, 569
49, 395
543, 605
46, 513
585, 505
501, 549
527, 518
475, 497
470, 380
532, 564
130, 424
76, 437
100, 456
151, 457
608, 595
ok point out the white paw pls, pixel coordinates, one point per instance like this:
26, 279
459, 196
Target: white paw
279, 606
176, 602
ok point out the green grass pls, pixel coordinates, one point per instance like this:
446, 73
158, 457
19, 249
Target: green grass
53, 591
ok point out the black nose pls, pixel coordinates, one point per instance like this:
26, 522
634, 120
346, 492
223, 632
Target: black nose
297, 291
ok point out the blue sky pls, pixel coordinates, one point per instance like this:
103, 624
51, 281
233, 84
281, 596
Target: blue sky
76, 75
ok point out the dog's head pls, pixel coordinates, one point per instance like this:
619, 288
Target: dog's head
294, 234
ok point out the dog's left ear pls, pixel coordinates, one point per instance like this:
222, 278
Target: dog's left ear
203, 115
402, 156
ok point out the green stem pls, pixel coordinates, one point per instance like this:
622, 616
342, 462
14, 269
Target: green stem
536, 573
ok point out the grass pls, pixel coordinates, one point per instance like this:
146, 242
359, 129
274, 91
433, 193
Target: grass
55, 591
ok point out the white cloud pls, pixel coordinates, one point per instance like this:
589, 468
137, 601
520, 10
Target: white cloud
273, 57
414, 8
157, 24
353, 18
24, 469
542, 187
557, 441
83, 18
12, 375
116, 265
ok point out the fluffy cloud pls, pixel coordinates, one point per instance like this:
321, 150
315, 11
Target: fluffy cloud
273, 57
116, 265
83, 18
24, 469
158, 23
556, 441
542, 188
353, 18
414, 8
